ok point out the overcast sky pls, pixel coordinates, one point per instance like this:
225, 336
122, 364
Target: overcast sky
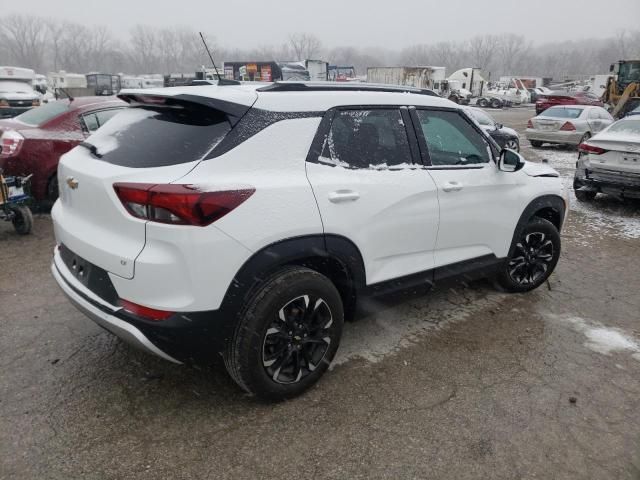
382, 23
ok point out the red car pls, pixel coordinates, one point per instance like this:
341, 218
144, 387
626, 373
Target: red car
33, 142
566, 98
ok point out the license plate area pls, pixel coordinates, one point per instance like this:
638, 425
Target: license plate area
631, 158
91, 276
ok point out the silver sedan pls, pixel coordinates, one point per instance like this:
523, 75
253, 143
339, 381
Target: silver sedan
567, 125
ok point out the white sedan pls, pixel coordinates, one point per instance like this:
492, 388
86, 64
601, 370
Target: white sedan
567, 125
610, 162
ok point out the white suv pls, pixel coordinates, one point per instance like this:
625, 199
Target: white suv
247, 220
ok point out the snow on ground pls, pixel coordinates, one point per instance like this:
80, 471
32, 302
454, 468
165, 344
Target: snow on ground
391, 328
601, 339
606, 214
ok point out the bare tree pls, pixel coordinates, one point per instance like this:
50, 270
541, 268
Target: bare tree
305, 46
24, 40
482, 49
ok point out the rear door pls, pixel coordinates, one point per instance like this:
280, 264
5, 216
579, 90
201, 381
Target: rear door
479, 205
370, 190
148, 144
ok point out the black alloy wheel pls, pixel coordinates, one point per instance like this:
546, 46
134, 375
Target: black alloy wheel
533, 256
297, 340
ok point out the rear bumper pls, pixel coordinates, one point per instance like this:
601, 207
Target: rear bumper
185, 337
565, 138
101, 314
612, 182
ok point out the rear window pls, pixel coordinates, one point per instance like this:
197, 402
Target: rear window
141, 137
562, 112
41, 115
631, 127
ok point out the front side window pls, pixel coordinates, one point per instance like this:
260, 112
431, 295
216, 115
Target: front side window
451, 140
367, 139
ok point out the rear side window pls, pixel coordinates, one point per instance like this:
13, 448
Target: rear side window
451, 140
141, 137
367, 139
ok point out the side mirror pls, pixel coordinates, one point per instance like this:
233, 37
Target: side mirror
510, 161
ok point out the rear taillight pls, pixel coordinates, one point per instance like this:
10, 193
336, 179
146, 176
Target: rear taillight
145, 312
35, 103
529, 124
4, 103
10, 144
568, 127
179, 204
592, 149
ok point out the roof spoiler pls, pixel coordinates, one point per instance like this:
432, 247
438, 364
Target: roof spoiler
234, 111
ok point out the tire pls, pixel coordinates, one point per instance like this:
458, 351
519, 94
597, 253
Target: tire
532, 257
496, 103
22, 220
586, 197
482, 103
512, 144
268, 360
52, 189
535, 143
584, 138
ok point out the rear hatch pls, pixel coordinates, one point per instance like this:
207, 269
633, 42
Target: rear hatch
158, 140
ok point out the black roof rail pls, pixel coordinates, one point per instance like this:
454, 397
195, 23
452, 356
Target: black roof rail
343, 86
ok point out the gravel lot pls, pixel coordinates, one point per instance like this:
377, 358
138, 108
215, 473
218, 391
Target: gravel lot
462, 383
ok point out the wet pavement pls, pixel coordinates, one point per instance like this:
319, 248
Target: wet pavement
462, 383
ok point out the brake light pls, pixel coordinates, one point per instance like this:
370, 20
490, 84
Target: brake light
146, 312
10, 144
568, 127
586, 148
4, 103
529, 124
179, 204
35, 102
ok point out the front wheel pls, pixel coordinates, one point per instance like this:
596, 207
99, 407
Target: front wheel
287, 335
512, 144
22, 219
532, 257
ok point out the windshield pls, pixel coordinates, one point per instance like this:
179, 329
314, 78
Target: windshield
9, 86
563, 112
481, 117
40, 115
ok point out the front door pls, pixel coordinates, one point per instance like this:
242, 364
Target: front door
479, 205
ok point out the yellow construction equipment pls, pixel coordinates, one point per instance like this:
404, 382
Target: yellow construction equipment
623, 88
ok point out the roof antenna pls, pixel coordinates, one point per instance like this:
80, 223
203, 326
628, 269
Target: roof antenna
221, 80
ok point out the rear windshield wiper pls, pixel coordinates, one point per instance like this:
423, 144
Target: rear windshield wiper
92, 148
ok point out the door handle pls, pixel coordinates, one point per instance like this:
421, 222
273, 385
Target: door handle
452, 187
342, 196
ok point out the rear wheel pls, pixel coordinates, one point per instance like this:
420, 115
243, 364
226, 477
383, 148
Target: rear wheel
535, 143
287, 335
22, 219
585, 137
482, 102
496, 103
532, 258
583, 195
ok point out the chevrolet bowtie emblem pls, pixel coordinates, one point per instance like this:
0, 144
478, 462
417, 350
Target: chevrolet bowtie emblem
72, 182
